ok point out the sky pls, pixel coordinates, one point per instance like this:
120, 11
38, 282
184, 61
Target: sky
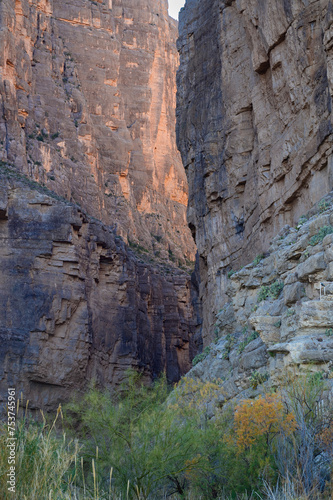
174, 7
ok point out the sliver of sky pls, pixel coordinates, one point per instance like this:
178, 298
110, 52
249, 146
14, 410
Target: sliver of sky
174, 7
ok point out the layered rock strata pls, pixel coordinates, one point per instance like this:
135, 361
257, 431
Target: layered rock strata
278, 321
76, 304
87, 100
254, 126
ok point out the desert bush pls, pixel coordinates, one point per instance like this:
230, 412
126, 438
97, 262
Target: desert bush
258, 259
253, 336
306, 459
273, 291
318, 238
148, 445
200, 357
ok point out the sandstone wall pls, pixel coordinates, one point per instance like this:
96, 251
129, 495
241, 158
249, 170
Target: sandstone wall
254, 118
87, 99
76, 304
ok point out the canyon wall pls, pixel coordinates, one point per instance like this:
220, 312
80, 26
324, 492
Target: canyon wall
95, 251
87, 99
76, 304
278, 321
254, 126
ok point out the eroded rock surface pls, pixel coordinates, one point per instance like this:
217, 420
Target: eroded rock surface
254, 126
76, 304
278, 321
87, 99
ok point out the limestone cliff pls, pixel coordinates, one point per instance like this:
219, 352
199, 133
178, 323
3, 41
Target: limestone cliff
87, 100
76, 304
278, 320
254, 126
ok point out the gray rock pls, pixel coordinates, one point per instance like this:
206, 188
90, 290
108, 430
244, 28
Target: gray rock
311, 266
293, 293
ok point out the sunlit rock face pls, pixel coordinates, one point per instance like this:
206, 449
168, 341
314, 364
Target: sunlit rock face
254, 126
87, 93
76, 304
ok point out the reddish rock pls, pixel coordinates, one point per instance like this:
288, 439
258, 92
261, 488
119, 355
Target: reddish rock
87, 93
76, 304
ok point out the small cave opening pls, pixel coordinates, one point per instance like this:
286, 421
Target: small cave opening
240, 227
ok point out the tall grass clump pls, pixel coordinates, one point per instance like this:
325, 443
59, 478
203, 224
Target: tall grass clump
44, 460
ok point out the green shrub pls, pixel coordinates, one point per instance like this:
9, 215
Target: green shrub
136, 246
137, 435
263, 293
257, 378
254, 335
231, 273
273, 291
323, 206
228, 346
318, 238
276, 289
258, 259
302, 221
200, 357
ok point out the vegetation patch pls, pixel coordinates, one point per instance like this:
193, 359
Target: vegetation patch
302, 221
253, 336
323, 206
143, 443
9, 171
136, 246
201, 356
258, 378
258, 259
273, 291
318, 238
228, 346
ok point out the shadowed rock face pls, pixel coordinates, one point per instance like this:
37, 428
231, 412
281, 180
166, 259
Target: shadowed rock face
87, 99
76, 304
254, 126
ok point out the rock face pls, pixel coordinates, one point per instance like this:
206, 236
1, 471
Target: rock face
87, 99
279, 316
254, 126
77, 304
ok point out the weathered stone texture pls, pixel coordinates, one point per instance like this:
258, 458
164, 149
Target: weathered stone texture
267, 334
87, 100
76, 304
254, 118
